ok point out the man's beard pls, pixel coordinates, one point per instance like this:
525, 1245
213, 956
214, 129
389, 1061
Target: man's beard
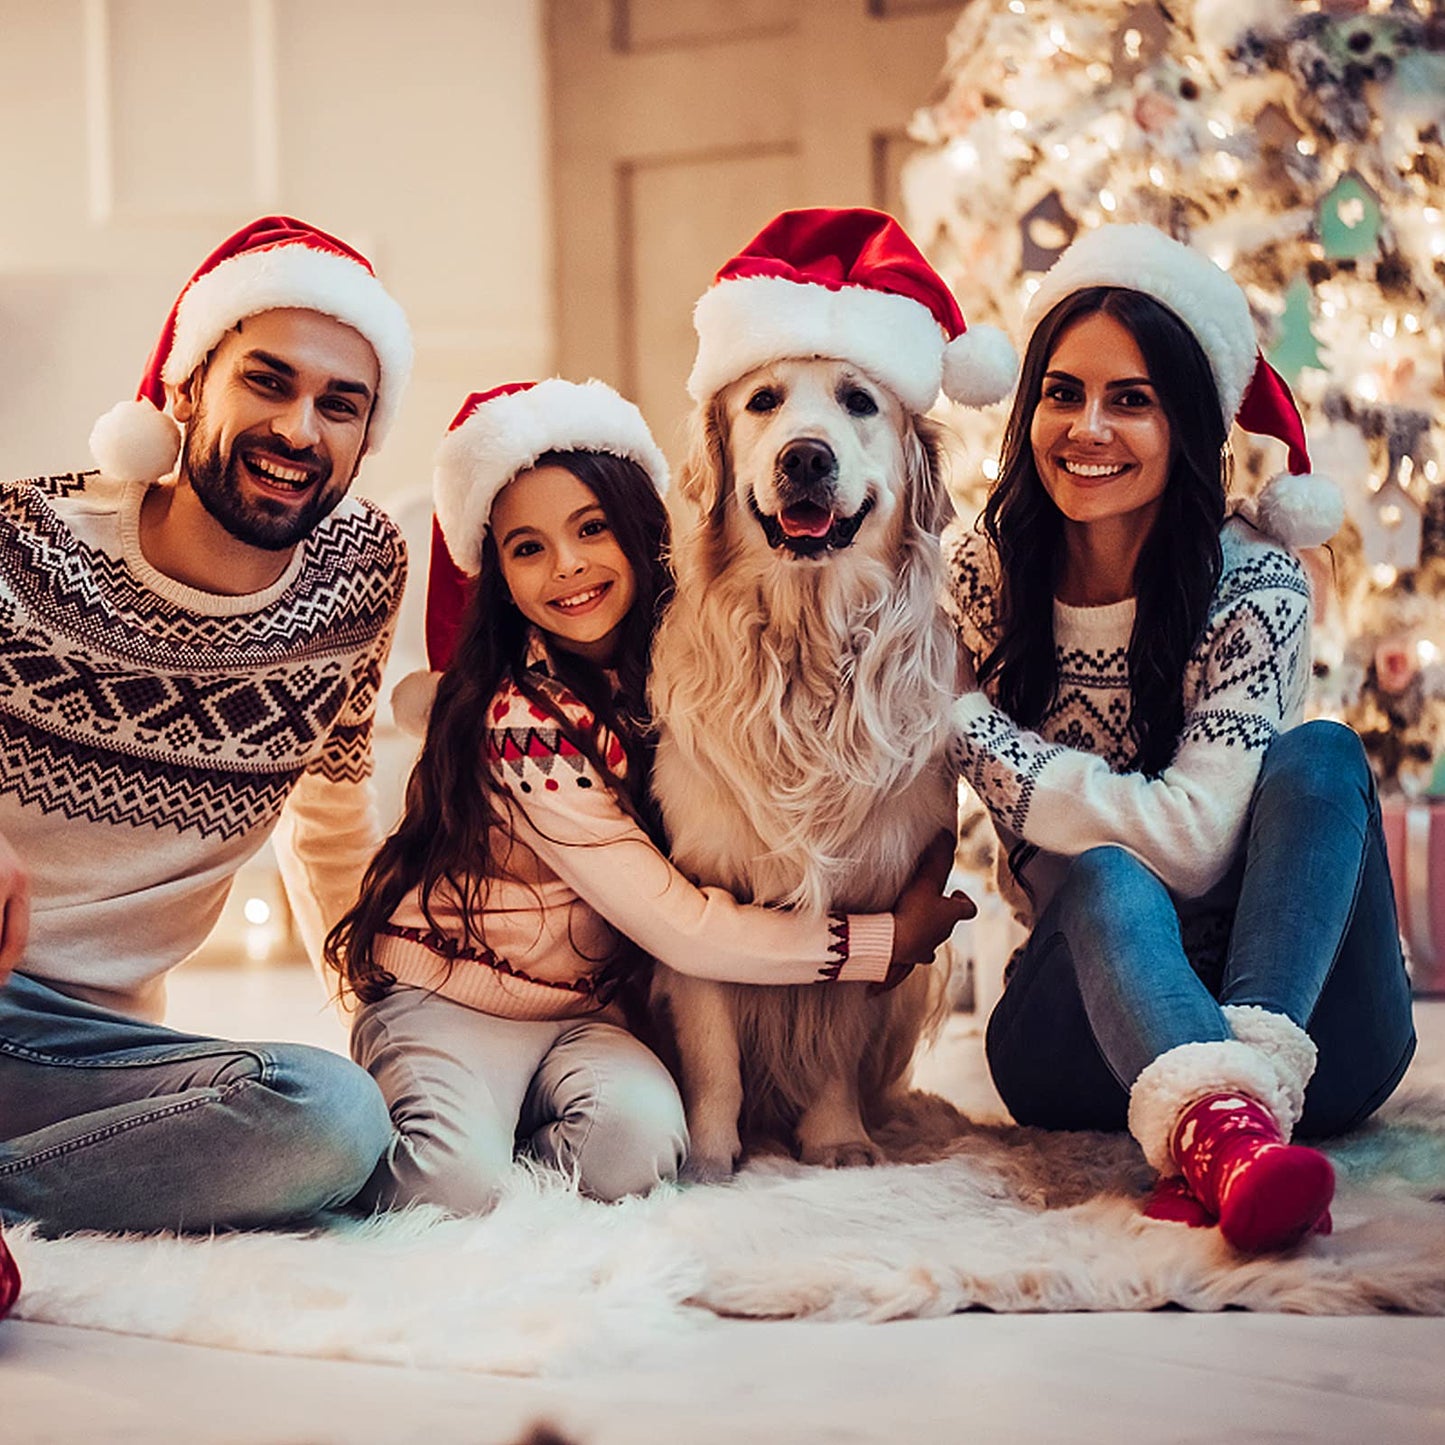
262, 523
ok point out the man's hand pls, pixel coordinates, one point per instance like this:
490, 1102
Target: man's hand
924, 916
14, 909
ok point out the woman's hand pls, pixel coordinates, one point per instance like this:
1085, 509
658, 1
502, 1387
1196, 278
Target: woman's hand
14, 909
924, 916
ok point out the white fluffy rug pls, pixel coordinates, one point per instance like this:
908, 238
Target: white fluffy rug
1005, 1219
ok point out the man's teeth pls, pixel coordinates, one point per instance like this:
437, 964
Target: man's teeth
278, 471
578, 599
1084, 469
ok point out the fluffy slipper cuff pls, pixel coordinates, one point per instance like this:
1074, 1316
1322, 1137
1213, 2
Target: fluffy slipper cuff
1181, 1076
1284, 1043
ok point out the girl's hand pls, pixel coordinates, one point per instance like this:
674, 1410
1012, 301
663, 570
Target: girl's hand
14, 909
966, 674
924, 916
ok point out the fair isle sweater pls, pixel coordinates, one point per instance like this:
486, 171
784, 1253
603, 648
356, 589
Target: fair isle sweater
152, 736
583, 873
1068, 787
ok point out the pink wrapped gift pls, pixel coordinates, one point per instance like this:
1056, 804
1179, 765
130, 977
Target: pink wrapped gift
1415, 838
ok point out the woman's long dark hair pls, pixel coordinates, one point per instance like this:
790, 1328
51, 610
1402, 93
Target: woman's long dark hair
453, 800
1179, 565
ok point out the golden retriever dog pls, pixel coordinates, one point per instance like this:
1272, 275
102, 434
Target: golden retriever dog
801, 682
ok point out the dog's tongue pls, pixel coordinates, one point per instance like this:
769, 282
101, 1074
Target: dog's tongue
805, 520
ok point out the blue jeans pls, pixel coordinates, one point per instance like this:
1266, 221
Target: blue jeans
114, 1124
1117, 970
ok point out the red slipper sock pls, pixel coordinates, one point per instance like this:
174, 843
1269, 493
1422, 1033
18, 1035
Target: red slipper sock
9, 1279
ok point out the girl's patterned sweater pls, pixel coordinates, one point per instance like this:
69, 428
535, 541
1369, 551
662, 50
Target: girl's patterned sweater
1068, 787
582, 874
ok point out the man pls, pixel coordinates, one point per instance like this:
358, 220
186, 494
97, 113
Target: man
191, 641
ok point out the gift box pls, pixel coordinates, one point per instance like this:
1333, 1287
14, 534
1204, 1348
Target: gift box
1415, 840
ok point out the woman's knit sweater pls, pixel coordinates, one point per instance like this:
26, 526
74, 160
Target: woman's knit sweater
1068, 787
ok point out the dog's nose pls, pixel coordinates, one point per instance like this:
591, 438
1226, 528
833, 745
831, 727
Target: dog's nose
808, 461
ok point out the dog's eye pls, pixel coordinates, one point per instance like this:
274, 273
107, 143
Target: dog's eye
764, 399
859, 403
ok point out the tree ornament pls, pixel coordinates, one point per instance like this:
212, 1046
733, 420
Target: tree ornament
1297, 346
1390, 529
1142, 36
1348, 219
1045, 230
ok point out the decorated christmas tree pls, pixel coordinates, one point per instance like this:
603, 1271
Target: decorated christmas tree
1300, 145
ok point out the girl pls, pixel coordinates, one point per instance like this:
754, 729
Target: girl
499, 927
1207, 884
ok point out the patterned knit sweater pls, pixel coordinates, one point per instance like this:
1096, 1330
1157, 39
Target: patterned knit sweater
585, 873
1068, 787
151, 734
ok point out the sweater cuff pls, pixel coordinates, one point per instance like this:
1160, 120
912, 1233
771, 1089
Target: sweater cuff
869, 942
972, 707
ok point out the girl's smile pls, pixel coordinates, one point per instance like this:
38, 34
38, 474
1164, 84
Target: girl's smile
561, 560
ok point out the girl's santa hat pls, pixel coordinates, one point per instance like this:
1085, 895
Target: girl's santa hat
274, 262
846, 284
1300, 508
496, 435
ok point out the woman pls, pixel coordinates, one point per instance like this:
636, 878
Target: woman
1214, 956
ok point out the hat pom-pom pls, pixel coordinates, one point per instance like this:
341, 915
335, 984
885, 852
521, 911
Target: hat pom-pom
1301, 511
411, 701
979, 367
135, 442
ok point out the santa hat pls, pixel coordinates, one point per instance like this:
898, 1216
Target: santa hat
1300, 508
272, 263
847, 284
494, 436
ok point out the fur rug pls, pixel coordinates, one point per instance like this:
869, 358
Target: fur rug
996, 1218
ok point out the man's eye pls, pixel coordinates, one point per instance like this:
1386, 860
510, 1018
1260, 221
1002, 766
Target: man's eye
859, 403
264, 381
340, 408
764, 399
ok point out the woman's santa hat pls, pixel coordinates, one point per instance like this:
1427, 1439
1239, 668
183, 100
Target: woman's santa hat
846, 284
273, 263
496, 435
1300, 508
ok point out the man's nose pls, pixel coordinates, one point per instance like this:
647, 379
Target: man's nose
298, 423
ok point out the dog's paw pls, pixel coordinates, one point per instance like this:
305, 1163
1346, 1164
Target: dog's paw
712, 1160
850, 1154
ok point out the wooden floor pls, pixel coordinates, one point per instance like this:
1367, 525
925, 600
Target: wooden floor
1007, 1378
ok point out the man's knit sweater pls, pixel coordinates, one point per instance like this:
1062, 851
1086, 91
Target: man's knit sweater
151, 734
1068, 787
582, 874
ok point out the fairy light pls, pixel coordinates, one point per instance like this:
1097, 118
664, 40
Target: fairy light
1031, 285
1374, 482
1060, 150
1106, 199
1305, 146
1218, 129
257, 911
1383, 575
1432, 470
1388, 326
1098, 72
1407, 470
962, 155
1411, 322
1327, 308
1059, 37
990, 468
1426, 652
1367, 388
1017, 119
1156, 175
1391, 516
1017, 6
1377, 341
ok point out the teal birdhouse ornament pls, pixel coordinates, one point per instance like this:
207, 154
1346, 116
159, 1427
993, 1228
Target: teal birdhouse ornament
1349, 219
1296, 346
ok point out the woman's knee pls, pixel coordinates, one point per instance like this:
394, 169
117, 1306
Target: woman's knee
1317, 758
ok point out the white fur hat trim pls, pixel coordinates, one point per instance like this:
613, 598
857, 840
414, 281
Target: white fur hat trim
507, 434
746, 322
308, 279
1205, 298
1182, 1076
1303, 510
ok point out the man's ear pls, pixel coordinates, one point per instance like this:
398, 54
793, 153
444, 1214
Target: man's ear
182, 397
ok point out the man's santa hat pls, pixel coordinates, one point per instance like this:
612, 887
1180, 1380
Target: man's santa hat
1300, 508
846, 284
496, 435
273, 263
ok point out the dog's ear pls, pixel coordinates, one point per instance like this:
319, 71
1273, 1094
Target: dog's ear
929, 505
703, 478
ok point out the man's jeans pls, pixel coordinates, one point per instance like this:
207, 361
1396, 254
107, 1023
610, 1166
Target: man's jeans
114, 1124
1304, 926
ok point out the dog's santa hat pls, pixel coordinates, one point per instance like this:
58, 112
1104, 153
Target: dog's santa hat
847, 284
496, 435
1300, 508
274, 262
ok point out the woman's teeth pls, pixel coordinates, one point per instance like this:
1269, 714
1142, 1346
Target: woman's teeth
578, 599
1085, 469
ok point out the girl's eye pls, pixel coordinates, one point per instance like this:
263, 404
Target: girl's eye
764, 399
859, 403
594, 527
526, 549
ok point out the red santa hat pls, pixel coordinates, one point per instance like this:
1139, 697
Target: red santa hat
496, 435
847, 284
274, 262
1300, 508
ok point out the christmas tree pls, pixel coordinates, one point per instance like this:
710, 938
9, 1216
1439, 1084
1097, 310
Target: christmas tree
1299, 145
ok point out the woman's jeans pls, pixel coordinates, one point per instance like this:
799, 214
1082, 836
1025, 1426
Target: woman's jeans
1304, 926
110, 1123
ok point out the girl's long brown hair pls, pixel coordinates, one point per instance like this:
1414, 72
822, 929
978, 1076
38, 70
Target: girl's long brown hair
455, 805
